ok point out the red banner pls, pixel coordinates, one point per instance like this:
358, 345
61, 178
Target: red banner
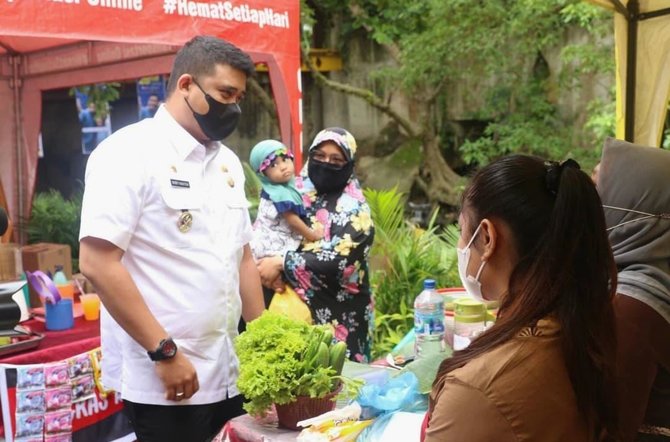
268, 26
38, 52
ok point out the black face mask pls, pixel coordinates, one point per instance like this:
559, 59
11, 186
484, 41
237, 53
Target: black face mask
328, 178
220, 120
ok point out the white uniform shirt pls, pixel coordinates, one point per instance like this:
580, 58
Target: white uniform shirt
138, 183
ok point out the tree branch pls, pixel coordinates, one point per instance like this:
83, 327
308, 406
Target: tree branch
266, 100
370, 97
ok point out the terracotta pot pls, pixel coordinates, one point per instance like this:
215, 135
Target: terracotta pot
304, 407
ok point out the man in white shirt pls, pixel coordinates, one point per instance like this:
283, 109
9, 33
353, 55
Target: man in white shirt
164, 239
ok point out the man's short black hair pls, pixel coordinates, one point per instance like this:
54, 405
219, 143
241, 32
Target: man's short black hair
201, 54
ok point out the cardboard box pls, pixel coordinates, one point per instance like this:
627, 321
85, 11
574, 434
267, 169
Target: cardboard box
46, 257
11, 266
84, 283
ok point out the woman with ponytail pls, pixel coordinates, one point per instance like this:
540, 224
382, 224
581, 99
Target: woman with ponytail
532, 237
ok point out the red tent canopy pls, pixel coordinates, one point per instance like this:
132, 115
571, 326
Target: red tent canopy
64, 43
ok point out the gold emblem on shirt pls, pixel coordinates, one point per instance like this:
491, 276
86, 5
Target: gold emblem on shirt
185, 221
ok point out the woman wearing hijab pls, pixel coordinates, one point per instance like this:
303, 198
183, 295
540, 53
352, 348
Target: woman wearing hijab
635, 191
332, 274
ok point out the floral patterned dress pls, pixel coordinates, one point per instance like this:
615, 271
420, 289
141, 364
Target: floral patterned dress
332, 274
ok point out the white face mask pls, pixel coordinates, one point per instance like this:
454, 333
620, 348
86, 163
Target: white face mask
471, 284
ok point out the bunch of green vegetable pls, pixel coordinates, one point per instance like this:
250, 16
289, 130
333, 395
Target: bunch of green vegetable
281, 359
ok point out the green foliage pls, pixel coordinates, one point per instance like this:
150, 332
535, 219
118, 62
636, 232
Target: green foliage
402, 257
494, 48
601, 122
101, 94
252, 189
56, 219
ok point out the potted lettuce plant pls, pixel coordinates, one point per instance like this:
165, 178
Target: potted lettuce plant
292, 365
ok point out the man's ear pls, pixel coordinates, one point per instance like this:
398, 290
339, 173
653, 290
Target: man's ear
488, 238
184, 84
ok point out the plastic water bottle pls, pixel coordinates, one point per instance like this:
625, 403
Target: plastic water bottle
59, 277
469, 321
429, 321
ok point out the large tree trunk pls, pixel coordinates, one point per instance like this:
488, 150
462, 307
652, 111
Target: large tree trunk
438, 181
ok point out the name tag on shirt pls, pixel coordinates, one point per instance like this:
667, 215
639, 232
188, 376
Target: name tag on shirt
180, 184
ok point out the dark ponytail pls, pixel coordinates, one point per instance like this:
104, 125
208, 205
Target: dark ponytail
565, 269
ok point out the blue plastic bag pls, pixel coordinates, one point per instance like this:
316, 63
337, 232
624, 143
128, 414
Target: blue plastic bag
398, 393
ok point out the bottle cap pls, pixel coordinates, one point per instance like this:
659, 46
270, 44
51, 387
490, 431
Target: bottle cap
469, 310
428, 283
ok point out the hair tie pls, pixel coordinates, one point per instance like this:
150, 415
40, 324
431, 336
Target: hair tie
554, 170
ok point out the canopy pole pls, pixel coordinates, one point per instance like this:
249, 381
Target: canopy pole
631, 69
15, 61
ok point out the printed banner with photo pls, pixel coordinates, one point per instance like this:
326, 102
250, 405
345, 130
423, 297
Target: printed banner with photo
61, 401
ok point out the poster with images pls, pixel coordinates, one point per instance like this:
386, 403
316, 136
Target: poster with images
96, 124
151, 92
57, 401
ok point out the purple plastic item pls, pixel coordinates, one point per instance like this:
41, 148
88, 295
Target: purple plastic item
44, 286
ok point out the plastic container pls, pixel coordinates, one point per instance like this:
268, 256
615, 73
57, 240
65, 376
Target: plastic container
65, 287
469, 321
91, 305
450, 295
59, 316
429, 321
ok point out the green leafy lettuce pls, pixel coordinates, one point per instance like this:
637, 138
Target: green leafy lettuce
272, 370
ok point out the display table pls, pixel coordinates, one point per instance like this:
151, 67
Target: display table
246, 428
94, 417
56, 345
402, 426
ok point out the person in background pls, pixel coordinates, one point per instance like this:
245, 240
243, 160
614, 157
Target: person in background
279, 226
87, 120
150, 109
164, 238
634, 186
533, 237
332, 274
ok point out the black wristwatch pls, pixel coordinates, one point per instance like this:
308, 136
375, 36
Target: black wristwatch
165, 350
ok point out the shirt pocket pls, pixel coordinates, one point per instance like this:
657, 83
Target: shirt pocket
182, 211
235, 225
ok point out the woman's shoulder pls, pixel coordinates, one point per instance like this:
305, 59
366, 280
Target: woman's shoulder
526, 380
534, 348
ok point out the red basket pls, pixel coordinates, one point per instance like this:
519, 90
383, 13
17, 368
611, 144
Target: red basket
304, 407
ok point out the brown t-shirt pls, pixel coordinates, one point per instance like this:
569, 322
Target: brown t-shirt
519, 391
